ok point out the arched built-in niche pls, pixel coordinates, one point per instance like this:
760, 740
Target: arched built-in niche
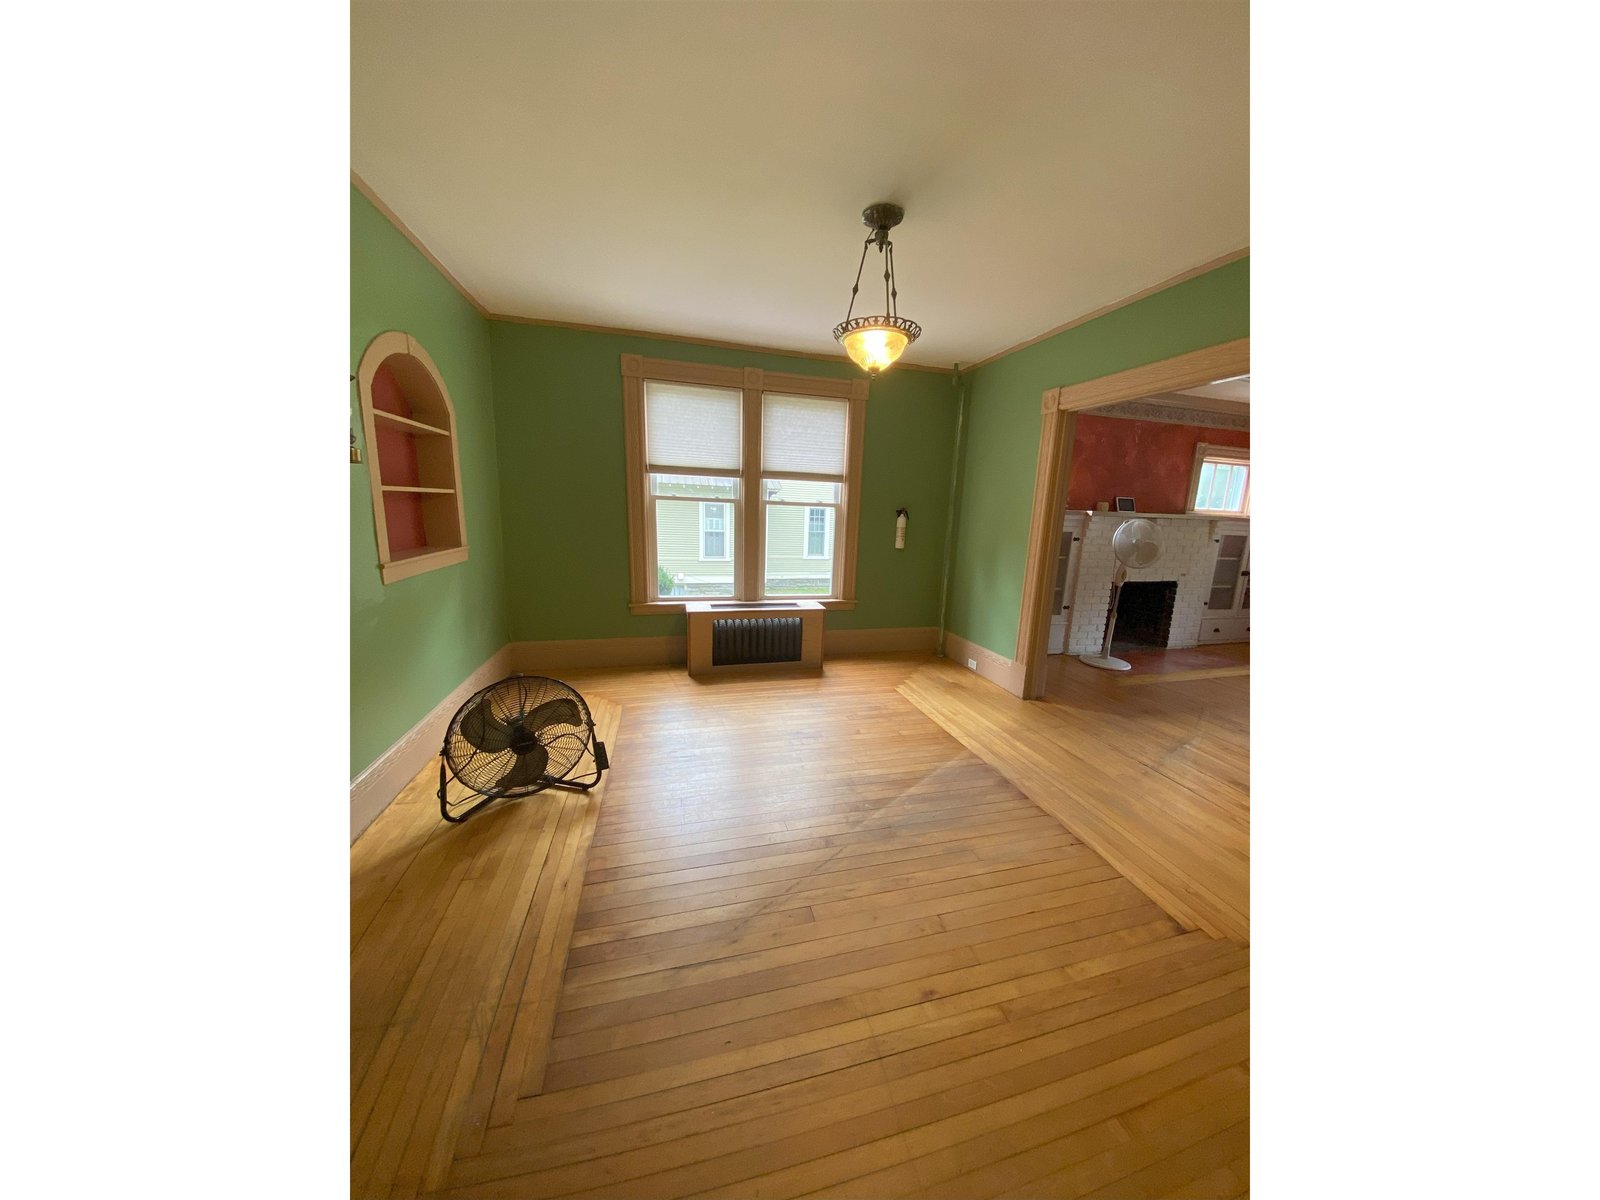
414, 468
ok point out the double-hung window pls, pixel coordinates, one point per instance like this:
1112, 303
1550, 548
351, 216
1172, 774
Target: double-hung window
692, 450
1221, 480
803, 447
743, 483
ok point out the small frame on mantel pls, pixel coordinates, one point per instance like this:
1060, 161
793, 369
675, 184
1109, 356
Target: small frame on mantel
1124, 503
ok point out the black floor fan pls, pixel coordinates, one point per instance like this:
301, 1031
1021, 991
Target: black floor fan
517, 737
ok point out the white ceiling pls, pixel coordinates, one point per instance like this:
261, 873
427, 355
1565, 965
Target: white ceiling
1226, 389
700, 168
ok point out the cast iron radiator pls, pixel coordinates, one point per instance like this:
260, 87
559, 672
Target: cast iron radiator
736, 640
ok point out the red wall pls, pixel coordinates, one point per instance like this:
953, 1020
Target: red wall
397, 464
1148, 460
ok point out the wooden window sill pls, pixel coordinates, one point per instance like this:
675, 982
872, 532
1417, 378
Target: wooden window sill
661, 607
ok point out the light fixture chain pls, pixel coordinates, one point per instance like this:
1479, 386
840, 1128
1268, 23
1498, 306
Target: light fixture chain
894, 290
886, 249
856, 286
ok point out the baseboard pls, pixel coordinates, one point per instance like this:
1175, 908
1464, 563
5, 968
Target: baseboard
539, 657
840, 642
534, 657
373, 789
996, 668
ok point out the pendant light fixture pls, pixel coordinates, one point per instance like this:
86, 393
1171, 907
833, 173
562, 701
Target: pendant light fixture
874, 343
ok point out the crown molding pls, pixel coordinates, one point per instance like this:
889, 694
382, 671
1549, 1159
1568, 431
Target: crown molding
484, 311
1181, 277
687, 339
393, 218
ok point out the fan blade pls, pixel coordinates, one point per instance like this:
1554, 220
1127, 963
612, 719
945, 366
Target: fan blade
561, 711
526, 771
484, 730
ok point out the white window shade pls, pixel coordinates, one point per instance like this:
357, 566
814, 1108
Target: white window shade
691, 430
803, 435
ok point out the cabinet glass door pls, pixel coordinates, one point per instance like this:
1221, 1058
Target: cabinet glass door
1225, 578
1058, 597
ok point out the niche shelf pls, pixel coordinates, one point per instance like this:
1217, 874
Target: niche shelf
416, 428
413, 464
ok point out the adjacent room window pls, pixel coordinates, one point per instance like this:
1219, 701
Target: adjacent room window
1221, 482
746, 483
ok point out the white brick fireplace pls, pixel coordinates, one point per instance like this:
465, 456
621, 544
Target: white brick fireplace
1188, 555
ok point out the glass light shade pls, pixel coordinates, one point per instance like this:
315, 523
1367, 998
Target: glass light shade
875, 343
874, 349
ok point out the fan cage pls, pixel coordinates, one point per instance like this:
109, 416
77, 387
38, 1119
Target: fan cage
530, 730
1136, 543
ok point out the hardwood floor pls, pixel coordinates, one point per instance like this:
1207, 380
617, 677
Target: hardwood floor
820, 947
1150, 767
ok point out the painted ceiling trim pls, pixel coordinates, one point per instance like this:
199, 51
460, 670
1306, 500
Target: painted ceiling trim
393, 218
1221, 260
366, 190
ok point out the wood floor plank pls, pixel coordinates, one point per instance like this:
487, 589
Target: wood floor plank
1141, 775
886, 969
1117, 1172
477, 1106
836, 938
804, 1030
817, 921
964, 866
826, 1143
1020, 1151
909, 1015
543, 995
664, 1014
449, 930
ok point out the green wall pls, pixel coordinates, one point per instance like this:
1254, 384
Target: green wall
1002, 434
412, 642
563, 486
539, 424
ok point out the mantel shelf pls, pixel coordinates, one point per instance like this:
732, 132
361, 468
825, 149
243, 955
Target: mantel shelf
1194, 516
408, 424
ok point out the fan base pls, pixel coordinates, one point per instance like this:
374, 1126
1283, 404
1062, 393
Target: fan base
1105, 663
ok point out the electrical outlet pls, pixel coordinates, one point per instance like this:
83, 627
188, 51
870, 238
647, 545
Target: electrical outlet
972, 664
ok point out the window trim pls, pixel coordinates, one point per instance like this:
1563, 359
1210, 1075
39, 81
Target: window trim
728, 555
749, 514
1205, 452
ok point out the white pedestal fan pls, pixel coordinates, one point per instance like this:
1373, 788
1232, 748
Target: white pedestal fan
1136, 543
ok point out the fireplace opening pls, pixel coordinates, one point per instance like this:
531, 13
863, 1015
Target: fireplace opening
1144, 615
